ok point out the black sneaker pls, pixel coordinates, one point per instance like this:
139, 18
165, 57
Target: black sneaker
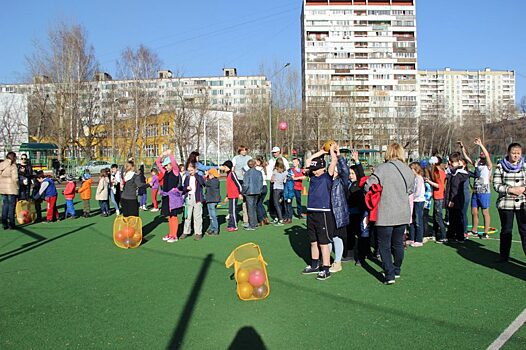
323, 275
310, 270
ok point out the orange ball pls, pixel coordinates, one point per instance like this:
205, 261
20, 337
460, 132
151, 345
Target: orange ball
128, 231
244, 290
119, 236
242, 275
137, 237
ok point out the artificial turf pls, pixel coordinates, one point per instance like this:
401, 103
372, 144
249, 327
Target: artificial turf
66, 285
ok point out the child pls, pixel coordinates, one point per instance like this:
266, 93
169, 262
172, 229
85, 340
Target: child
69, 195
279, 176
49, 192
359, 215
115, 187
416, 230
85, 193
23, 183
340, 209
233, 189
252, 186
427, 204
320, 219
437, 182
154, 184
455, 198
34, 194
171, 194
212, 197
298, 185
261, 166
288, 196
141, 191
102, 193
193, 189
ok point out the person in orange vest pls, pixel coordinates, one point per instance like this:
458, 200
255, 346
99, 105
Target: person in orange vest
85, 193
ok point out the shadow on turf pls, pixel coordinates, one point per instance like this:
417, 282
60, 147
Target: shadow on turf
247, 338
299, 242
184, 320
479, 254
149, 227
39, 241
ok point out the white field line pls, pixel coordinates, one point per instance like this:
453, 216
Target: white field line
508, 332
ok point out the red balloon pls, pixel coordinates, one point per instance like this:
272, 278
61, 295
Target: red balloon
256, 277
283, 126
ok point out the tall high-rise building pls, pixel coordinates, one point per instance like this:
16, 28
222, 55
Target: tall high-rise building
459, 95
359, 65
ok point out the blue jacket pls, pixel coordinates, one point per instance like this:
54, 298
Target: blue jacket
252, 182
288, 191
200, 183
51, 190
339, 190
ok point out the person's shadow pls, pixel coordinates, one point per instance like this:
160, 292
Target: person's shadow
479, 254
247, 338
299, 242
149, 227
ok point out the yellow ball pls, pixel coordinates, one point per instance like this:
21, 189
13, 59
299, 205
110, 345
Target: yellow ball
242, 275
327, 145
245, 290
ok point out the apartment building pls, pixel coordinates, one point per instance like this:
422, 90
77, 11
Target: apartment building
458, 95
359, 71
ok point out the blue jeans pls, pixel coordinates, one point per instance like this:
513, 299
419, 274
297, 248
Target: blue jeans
440, 228
214, 225
297, 194
114, 200
262, 214
391, 241
70, 208
289, 211
8, 210
416, 228
104, 207
252, 201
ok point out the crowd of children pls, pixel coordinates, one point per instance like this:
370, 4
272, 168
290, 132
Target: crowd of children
342, 203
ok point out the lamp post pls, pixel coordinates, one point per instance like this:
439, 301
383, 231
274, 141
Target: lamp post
113, 131
270, 107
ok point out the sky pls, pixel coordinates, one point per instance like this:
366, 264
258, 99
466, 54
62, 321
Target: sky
199, 38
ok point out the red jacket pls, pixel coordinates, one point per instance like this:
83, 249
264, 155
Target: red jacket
233, 187
372, 198
69, 191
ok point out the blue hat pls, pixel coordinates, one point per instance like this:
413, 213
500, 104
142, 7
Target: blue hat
166, 161
86, 176
424, 163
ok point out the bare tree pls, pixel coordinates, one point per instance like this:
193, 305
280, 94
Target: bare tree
13, 127
137, 66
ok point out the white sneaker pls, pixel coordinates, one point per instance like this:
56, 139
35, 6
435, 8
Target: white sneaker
171, 240
165, 238
154, 209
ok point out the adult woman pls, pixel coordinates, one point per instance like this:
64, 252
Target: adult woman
8, 190
261, 165
510, 181
132, 182
393, 214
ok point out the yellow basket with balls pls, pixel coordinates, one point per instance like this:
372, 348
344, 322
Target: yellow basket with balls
250, 271
127, 231
25, 212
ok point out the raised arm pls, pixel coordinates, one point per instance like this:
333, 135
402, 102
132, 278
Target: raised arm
335, 152
478, 142
315, 155
465, 155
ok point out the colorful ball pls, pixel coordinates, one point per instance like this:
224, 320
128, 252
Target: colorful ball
256, 277
137, 237
24, 213
242, 275
260, 292
119, 236
127, 242
283, 126
245, 290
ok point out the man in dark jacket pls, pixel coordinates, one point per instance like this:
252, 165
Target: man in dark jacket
251, 189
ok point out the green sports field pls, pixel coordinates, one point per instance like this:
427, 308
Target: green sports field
66, 285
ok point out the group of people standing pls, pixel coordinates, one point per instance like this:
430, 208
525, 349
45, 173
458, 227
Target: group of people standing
347, 211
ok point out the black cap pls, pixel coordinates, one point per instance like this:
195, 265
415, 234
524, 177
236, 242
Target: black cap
228, 164
317, 163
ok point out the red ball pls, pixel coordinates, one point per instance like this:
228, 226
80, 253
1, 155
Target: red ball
24, 213
283, 126
119, 236
256, 277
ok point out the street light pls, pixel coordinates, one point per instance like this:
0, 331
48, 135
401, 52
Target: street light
270, 107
